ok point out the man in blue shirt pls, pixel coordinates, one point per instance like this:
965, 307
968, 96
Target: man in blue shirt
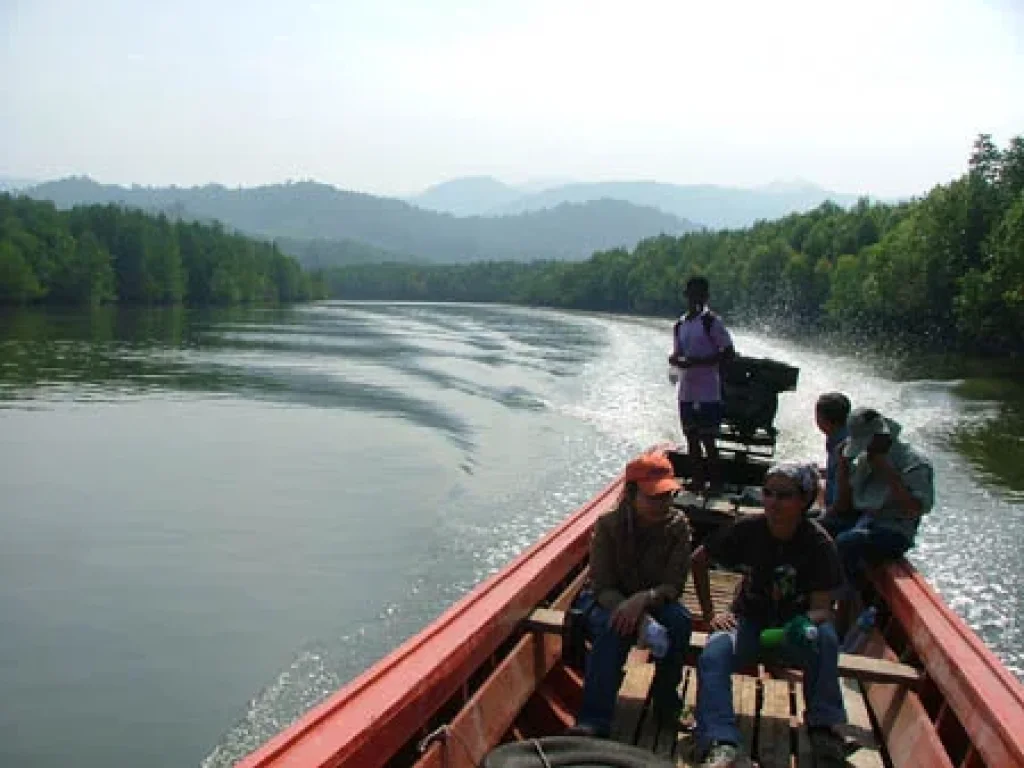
830, 414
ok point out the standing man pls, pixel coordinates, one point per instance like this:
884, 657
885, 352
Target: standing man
700, 343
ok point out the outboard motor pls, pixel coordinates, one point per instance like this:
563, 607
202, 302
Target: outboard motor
746, 439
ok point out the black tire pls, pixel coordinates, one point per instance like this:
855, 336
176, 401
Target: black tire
573, 752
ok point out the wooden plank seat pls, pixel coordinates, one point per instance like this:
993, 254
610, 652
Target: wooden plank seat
864, 668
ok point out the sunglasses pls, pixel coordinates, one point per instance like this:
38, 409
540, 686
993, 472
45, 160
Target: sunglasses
777, 493
666, 496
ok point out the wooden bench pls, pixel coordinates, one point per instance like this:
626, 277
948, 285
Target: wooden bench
863, 668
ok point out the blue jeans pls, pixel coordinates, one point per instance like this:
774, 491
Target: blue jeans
608, 655
728, 651
859, 546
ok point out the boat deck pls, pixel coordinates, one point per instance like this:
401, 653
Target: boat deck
769, 713
769, 710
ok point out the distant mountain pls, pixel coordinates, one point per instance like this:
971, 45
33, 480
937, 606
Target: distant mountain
469, 196
714, 206
311, 211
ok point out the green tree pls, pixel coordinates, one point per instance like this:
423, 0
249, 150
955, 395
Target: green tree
18, 283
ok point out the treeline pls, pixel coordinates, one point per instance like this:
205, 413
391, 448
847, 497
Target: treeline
947, 268
105, 253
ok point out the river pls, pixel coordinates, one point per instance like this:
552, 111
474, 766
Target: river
210, 520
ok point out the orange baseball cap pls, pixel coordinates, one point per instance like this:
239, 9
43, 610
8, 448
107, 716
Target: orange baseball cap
653, 474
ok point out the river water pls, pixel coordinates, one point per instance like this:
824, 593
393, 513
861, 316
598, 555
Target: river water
210, 520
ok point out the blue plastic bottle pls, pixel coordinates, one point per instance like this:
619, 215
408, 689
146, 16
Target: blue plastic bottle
654, 636
858, 634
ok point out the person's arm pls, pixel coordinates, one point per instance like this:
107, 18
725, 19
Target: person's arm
702, 583
844, 490
820, 609
901, 483
827, 574
702, 586
677, 353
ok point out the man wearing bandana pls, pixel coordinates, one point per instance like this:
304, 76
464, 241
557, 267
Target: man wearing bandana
790, 566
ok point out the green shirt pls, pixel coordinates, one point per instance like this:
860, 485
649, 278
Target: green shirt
871, 491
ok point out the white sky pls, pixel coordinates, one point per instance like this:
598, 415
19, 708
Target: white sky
390, 96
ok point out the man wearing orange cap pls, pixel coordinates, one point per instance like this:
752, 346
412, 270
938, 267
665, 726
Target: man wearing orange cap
639, 560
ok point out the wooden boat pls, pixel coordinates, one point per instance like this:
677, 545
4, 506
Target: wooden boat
497, 667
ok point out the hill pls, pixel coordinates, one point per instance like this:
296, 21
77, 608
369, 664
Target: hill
312, 211
468, 196
713, 206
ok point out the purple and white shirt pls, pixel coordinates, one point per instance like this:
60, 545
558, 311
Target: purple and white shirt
700, 384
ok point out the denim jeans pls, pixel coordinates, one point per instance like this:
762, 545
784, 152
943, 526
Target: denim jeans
608, 655
859, 546
727, 651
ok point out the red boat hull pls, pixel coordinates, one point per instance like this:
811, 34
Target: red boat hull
970, 711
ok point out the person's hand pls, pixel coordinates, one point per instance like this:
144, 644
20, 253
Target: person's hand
626, 617
796, 631
723, 622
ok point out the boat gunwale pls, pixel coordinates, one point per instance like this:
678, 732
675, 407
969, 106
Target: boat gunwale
967, 673
380, 711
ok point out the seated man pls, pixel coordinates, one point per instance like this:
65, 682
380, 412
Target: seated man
889, 485
639, 560
790, 568
831, 412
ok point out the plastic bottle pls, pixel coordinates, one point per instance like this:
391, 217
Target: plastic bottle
654, 636
798, 631
858, 634
772, 638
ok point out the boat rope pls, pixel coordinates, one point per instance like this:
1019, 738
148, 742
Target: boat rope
540, 753
441, 734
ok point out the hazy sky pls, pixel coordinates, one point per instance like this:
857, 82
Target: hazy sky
389, 96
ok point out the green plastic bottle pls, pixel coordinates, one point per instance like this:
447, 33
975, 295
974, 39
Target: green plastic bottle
772, 638
798, 631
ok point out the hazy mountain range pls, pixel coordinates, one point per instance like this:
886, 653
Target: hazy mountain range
469, 219
712, 206
324, 225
